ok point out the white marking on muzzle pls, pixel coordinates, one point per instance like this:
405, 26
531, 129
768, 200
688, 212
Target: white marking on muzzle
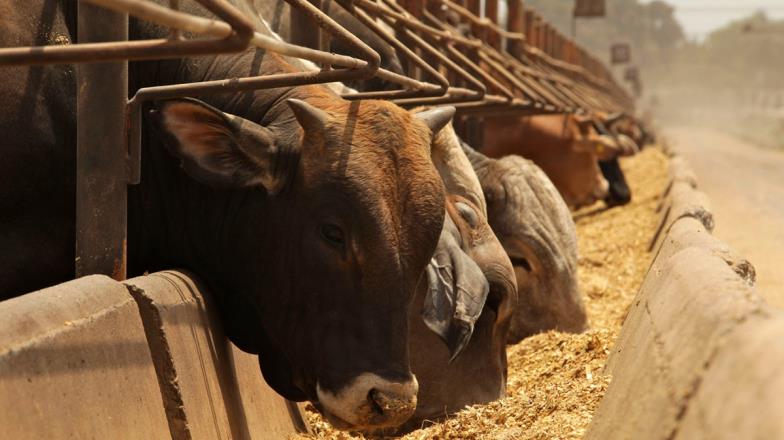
602, 189
353, 405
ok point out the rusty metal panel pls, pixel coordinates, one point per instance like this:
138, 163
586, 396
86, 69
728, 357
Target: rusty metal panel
590, 8
620, 53
631, 74
101, 155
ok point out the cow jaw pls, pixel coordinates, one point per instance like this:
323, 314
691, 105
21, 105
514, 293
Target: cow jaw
369, 402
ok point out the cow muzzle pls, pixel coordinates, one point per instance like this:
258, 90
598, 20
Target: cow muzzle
369, 402
601, 190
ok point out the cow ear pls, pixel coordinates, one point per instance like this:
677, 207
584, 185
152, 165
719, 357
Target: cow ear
436, 118
219, 149
457, 290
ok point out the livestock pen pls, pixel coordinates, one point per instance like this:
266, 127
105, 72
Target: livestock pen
149, 357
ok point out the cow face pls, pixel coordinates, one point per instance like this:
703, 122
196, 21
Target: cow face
536, 229
342, 211
611, 126
470, 292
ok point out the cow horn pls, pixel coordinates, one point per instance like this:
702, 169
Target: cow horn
308, 116
437, 118
476, 158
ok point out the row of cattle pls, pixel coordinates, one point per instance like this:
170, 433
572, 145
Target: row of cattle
376, 264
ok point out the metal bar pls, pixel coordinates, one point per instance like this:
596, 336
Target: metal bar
462, 58
490, 25
204, 26
101, 185
302, 32
368, 68
236, 40
164, 48
515, 24
385, 14
525, 87
491, 14
413, 23
220, 86
444, 60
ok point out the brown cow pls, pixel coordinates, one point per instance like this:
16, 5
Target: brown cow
471, 273
536, 229
566, 146
311, 218
619, 192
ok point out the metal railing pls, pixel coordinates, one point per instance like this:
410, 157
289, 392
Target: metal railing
474, 63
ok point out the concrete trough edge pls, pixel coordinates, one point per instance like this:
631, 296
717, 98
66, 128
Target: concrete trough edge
698, 352
68, 317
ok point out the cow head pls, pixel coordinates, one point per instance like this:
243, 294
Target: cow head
566, 146
466, 300
583, 178
536, 229
613, 126
589, 135
341, 210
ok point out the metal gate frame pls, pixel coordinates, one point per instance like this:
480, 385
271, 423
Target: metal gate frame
528, 68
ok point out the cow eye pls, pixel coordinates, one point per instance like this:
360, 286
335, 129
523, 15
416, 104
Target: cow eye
468, 214
332, 234
521, 262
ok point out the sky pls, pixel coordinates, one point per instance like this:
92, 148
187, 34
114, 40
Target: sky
700, 17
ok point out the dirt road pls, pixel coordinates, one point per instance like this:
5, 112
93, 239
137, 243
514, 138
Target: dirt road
746, 186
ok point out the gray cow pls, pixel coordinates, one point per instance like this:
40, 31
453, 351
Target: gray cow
536, 229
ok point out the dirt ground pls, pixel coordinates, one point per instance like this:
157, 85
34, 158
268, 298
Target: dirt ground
555, 379
746, 187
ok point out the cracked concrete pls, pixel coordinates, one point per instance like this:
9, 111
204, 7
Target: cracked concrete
146, 359
80, 350
211, 389
164, 364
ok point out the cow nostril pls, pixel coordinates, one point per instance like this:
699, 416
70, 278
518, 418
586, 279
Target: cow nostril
376, 401
389, 407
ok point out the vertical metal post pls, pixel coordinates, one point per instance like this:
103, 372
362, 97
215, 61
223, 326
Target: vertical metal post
491, 13
515, 23
474, 6
528, 27
101, 154
304, 31
538, 40
545, 32
473, 124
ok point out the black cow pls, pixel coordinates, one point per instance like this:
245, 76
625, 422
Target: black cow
311, 218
